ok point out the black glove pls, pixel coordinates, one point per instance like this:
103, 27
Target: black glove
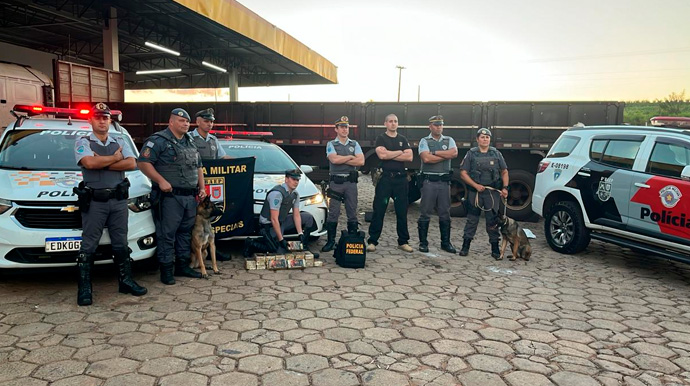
304, 239
282, 247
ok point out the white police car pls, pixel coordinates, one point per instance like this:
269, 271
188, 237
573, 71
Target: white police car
621, 184
40, 222
269, 171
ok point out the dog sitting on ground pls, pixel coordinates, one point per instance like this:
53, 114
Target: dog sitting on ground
203, 238
513, 233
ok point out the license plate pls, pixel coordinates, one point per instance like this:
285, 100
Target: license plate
62, 244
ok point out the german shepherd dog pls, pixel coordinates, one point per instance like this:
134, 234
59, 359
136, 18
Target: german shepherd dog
513, 233
203, 237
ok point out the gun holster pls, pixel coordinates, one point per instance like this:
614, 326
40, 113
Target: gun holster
335, 195
122, 190
84, 196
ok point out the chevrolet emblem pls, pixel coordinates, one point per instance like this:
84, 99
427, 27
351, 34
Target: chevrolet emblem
70, 208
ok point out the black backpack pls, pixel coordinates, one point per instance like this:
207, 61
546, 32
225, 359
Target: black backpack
351, 251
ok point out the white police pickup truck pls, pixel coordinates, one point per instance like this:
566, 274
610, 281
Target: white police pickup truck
40, 221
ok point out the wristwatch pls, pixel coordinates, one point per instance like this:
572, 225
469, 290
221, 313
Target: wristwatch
433, 152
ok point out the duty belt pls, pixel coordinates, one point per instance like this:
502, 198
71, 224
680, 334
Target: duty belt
342, 178
179, 191
436, 177
103, 195
393, 174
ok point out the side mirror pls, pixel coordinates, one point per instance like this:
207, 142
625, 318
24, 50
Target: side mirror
306, 169
685, 174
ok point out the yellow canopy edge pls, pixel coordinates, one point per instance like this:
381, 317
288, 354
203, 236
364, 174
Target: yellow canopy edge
241, 19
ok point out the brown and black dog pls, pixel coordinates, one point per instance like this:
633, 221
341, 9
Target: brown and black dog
203, 237
513, 233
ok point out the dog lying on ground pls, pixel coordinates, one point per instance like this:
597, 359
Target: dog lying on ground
513, 233
203, 237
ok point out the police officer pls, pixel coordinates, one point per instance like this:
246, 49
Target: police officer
209, 148
172, 162
485, 173
344, 156
103, 201
436, 151
274, 220
205, 142
393, 150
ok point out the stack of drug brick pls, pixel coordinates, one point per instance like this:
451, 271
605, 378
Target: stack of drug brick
290, 260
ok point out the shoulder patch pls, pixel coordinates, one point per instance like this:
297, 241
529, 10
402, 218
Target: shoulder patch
81, 149
146, 153
149, 144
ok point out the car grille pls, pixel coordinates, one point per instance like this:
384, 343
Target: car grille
40, 256
48, 218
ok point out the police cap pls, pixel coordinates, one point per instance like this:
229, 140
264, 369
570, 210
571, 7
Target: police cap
180, 113
342, 121
100, 109
484, 131
294, 173
206, 114
436, 120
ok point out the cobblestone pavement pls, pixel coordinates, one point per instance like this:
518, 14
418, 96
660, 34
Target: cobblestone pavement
605, 317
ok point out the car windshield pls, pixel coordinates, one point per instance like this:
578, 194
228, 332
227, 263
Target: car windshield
270, 159
44, 149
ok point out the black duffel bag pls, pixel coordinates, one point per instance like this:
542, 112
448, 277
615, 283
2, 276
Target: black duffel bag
351, 251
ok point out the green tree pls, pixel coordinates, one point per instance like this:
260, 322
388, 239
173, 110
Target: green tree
674, 104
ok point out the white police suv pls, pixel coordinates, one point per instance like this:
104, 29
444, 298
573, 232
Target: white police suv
269, 171
621, 184
40, 222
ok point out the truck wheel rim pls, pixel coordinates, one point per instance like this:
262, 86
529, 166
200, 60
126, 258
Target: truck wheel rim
561, 228
519, 196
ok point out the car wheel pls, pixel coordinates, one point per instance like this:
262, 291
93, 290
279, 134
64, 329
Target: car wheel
565, 229
519, 201
458, 195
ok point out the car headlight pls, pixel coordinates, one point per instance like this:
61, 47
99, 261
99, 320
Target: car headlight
5, 205
314, 200
139, 204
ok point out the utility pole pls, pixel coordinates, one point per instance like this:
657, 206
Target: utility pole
400, 68
419, 91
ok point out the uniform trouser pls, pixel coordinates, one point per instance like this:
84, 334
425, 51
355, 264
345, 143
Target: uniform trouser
488, 199
112, 214
349, 191
288, 226
386, 188
435, 195
174, 227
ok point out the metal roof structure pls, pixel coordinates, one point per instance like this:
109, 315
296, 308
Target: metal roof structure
221, 32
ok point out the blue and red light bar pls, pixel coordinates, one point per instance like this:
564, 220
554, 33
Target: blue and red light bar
39, 109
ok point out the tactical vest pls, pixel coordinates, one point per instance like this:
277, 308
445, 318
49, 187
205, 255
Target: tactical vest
485, 169
102, 178
183, 171
340, 149
440, 167
207, 150
285, 206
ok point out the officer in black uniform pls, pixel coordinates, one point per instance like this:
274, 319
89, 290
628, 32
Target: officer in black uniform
209, 148
172, 162
103, 201
436, 151
485, 173
274, 220
393, 150
205, 142
344, 156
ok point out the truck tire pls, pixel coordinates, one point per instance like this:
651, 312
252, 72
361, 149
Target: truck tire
458, 198
564, 228
519, 200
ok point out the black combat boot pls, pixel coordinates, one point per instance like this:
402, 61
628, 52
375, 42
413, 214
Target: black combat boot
220, 256
126, 283
423, 228
495, 252
252, 246
167, 273
352, 227
465, 250
446, 245
305, 241
182, 268
330, 243
84, 293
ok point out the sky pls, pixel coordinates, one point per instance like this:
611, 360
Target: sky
481, 50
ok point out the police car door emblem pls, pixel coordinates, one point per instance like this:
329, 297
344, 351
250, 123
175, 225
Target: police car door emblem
556, 174
604, 190
670, 195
